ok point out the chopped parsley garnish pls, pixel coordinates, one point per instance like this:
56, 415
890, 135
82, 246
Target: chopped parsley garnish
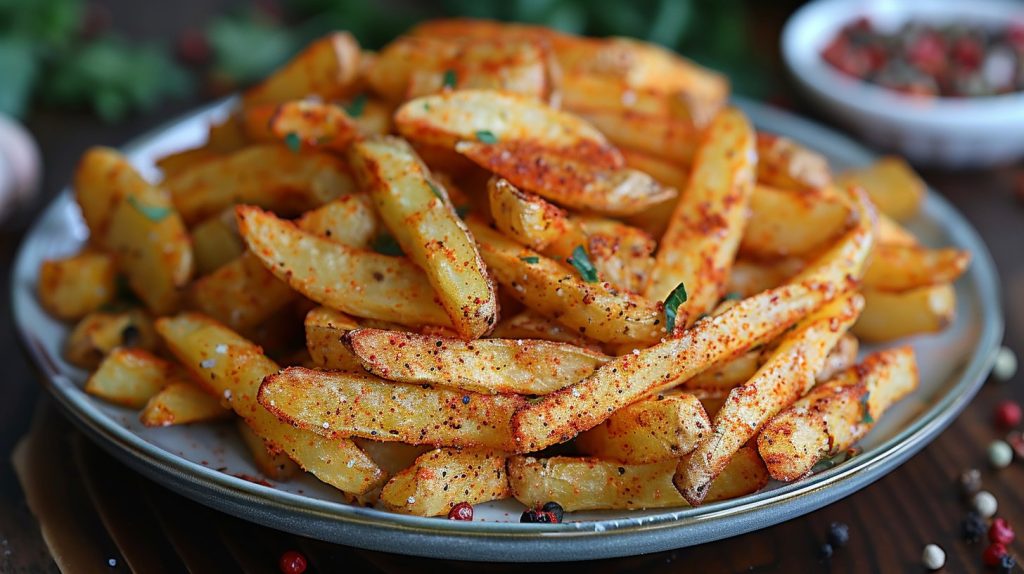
462, 211
152, 212
732, 296
450, 79
356, 106
386, 244
676, 298
437, 192
866, 417
293, 142
531, 259
487, 137
581, 261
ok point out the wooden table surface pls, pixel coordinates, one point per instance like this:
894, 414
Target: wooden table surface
890, 521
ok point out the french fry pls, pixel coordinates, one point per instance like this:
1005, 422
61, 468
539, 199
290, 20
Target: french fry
749, 276
702, 238
186, 159
417, 211
591, 309
892, 233
337, 404
232, 367
484, 366
444, 477
392, 457
305, 124
895, 268
99, 333
327, 67
786, 375
351, 220
892, 185
842, 355
785, 164
583, 93
728, 375
531, 325
651, 430
269, 176
594, 484
846, 259
241, 294
214, 244
890, 316
528, 219
72, 287
836, 414
374, 286
136, 223
129, 377
325, 331
271, 462
673, 140
621, 253
182, 402
785, 222
565, 413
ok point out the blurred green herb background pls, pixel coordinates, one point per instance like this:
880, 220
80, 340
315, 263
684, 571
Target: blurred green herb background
63, 53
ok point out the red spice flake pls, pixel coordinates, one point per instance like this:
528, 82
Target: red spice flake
1001, 532
461, 511
993, 554
1006, 415
292, 562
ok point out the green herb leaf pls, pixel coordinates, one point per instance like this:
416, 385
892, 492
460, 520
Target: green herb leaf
152, 213
386, 244
732, 296
449, 79
462, 211
293, 142
437, 192
487, 137
581, 261
532, 259
866, 417
248, 46
676, 298
355, 107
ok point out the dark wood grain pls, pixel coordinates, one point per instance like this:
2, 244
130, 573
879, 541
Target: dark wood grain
890, 521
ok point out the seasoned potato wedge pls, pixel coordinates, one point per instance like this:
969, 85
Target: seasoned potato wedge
621, 253
595, 484
302, 124
327, 67
372, 285
232, 367
591, 309
338, 404
75, 286
269, 176
182, 402
532, 325
417, 211
749, 277
129, 377
183, 160
892, 233
890, 316
786, 375
215, 243
785, 164
896, 268
271, 462
784, 222
99, 333
325, 331
840, 358
241, 294
846, 259
485, 366
703, 236
444, 477
651, 430
527, 218
836, 414
669, 139
728, 375
892, 185
351, 220
136, 223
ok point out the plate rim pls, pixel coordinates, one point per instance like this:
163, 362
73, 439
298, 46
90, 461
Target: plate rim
433, 537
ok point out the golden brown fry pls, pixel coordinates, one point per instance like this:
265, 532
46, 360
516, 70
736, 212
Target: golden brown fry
892, 185
890, 316
842, 355
785, 164
895, 268
651, 430
749, 277
241, 294
183, 160
327, 67
785, 222
129, 377
306, 124
532, 325
836, 414
215, 243
727, 375
182, 402
527, 218
846, 259
325, 331
485, 366
72, 287
621, 253
351, 220
99, 333
338, 404
272, 463
892, 233
444, 477
672, 140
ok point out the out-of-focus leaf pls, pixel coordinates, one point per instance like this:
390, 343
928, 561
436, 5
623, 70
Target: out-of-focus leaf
18, 68
248, 47
671, 22
48, 23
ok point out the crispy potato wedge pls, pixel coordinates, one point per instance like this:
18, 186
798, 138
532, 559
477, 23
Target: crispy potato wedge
269, 176
338, 404
99, 333
784, 222
444, 477
325, 331
527, 218
489, 366
591, 309
304, 124
895, 268
351, 220
583, 93
785, 164
595, 484
72, 287
836, 414
749, 277
215, 243
728, 375
271, 463
846, 259
228, 365
786, 375
532, 325
671, 140
703, 236
327, 67
892, 233
563, 414
418, 212
841, 357
371, 285
892, 185
136, 223
515, 121
621, 253
393, 457
186, 159
182, 402
651, 430
241, 294
129, 377
890, 316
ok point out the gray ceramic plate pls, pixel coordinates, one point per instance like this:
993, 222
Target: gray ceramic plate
204, 462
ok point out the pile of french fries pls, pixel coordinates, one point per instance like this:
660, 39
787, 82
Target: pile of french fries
413, 273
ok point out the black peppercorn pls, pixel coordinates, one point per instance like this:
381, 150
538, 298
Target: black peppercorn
973, 527
825, 551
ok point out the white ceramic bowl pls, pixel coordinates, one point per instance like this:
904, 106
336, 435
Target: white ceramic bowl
944, 132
